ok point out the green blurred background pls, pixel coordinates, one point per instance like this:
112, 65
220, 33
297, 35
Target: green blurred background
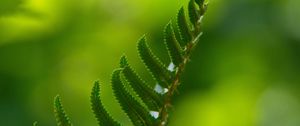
245, 71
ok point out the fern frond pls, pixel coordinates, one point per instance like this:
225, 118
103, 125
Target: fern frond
183, 26
103, 117
137, 108
154, 65
138, 115
62, 118
148, 95
173, 47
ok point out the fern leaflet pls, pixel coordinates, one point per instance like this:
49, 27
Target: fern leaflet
62, 118
103, 117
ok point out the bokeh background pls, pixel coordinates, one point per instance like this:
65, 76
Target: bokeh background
245, 71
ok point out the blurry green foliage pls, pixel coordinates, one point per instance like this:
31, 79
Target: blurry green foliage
8, 6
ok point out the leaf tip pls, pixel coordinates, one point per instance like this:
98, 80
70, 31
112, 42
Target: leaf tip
123, 61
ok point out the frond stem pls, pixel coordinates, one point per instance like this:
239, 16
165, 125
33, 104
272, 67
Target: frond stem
164, 112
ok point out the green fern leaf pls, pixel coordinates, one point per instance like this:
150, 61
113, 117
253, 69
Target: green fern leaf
193, 12
138, 107
183, 27
173, 47
103, 117
154, 65
138, 115
62, 118
149, 96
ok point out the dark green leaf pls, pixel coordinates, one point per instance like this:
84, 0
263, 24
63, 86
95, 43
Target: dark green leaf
154, 65
147, 94
123, 61
193, 13
103, 117
183, 27
138, 115
173, 47
62, 118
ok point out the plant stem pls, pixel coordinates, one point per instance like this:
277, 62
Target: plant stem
197, 32
174, 85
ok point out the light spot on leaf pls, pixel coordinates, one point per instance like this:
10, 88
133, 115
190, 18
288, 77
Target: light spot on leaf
171, 67
155, 114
